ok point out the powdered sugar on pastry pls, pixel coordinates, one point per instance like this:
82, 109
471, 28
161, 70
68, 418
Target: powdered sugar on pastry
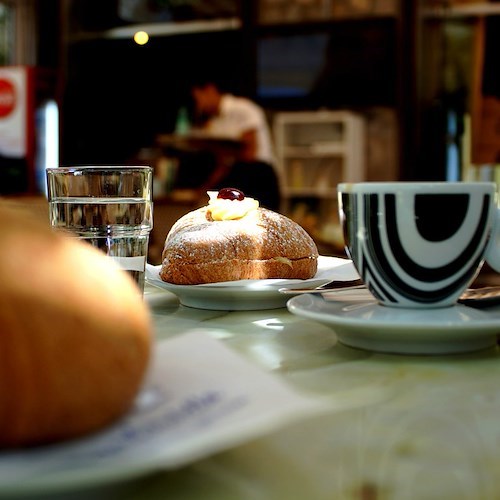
260, 244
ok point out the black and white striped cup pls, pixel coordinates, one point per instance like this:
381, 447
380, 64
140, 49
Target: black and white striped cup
420, 244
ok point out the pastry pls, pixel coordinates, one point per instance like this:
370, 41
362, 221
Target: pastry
232, 238
75, 336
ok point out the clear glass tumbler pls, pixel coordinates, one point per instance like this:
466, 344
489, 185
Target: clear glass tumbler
109, 207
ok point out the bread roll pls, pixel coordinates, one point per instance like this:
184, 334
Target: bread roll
75, 336
260, 245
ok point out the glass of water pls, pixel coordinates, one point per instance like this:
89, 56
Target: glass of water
109, 207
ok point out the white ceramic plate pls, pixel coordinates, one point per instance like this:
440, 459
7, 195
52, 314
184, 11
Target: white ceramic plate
360, 322
247, 295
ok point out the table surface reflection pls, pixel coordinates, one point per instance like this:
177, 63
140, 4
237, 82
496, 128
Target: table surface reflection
404, 426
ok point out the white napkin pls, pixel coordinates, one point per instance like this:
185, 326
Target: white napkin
200, 398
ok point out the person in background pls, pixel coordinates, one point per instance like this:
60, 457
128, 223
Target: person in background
224, 115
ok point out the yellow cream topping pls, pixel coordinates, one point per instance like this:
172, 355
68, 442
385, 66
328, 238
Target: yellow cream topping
223, 209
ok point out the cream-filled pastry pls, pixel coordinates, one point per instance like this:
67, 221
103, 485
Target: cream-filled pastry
232, 238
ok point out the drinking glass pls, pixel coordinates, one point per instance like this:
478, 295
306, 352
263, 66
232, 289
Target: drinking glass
109, 207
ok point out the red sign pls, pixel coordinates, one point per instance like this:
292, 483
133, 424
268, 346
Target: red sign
7, 98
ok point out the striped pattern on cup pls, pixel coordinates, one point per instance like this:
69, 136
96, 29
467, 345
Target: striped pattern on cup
419, 253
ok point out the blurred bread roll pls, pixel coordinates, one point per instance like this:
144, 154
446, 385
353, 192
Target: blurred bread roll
75, 335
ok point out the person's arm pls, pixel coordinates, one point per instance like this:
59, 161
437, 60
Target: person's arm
224, 163
220, 171
249, 145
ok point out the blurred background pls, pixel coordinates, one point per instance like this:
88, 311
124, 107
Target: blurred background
352, 89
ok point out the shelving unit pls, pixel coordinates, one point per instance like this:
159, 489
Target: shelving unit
315, 151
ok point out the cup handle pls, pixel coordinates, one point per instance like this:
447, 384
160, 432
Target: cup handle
493, 251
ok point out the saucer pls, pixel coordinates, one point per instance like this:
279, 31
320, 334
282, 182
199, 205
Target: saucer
361, 322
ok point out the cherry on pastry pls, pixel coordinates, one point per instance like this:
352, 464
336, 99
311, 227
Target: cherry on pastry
231, 194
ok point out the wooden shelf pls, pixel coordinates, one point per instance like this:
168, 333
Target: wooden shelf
162, 29
476, 9
315, 151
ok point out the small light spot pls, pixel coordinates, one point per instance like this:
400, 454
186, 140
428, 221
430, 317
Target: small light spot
141, 38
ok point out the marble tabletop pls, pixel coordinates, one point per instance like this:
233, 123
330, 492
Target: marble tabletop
401, 426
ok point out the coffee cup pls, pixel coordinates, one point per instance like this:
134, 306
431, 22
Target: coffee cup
420, 244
